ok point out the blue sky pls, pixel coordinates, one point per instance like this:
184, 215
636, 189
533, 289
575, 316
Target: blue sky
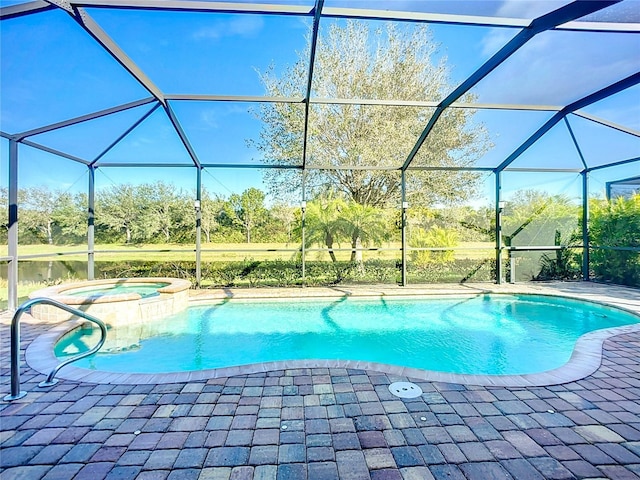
51, 71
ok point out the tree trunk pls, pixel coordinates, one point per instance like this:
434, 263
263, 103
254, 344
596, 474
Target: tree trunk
356, 255
328, 240
49, 233
128, 232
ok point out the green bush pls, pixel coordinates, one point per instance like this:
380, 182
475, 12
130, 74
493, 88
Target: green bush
286, 273
435, 237
460, 270
615, 224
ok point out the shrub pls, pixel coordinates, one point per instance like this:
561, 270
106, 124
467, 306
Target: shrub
284, 273
616, 224
436, 237
458, 270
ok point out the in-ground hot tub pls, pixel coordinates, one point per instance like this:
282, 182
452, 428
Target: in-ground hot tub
119, 301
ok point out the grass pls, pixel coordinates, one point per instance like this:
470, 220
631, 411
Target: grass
180, 252
24, 289
256, 251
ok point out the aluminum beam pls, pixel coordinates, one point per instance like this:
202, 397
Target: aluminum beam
232, 98
614, 164
12, 234
300, 10
607, 123
602, 27
82, 118
359, 101
183, 137
198, 211
317, 12
54, 152
453, 169
257, 165
541, 24
90, 25
191, 5
623, 181
14, 11
351, 167
91, 217
372, 101
450, 19
125, 133
144, 165
544, 170
403, 226
585, 226
498, 228
583, 102
506, 106
575, 143
303, 228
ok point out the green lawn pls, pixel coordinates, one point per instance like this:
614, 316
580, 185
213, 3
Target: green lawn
257, 251
180, 252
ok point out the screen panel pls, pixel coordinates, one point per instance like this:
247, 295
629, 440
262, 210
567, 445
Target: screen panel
206, 52
52, 71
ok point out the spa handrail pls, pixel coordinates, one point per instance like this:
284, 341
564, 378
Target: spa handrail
15, 344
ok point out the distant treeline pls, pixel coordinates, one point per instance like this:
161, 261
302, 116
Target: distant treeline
161, 213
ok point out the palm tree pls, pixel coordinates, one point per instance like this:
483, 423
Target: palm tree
323, 223
362, 224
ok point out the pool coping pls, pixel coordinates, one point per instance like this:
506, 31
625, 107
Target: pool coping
585, 359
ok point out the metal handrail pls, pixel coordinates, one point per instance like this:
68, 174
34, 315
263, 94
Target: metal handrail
15, 344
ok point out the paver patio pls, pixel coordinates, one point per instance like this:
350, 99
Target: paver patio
325, 423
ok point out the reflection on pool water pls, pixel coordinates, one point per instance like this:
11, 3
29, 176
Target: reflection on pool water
482, 334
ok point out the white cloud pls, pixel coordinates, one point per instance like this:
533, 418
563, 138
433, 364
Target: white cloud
495, 39
209, 118
237, 26
213, 118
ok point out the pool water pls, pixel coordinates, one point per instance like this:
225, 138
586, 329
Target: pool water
482, 334
143, 289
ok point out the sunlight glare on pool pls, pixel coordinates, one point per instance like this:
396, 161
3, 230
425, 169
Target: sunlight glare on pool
482, 334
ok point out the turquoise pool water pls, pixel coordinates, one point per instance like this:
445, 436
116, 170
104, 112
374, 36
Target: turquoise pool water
144, 289
483, 334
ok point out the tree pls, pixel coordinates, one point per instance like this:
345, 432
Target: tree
616, 223
212, 206
37, 211
248, 208
285, 215
353, 61
166, 209
70, 216
533, 218
122, 209
323, 225
362, 224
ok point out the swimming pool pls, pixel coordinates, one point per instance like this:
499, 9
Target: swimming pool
479, 335
145, 290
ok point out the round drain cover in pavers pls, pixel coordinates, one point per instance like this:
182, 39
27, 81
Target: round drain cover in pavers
405, 389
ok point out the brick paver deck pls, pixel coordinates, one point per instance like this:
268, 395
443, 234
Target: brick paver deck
324, 423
